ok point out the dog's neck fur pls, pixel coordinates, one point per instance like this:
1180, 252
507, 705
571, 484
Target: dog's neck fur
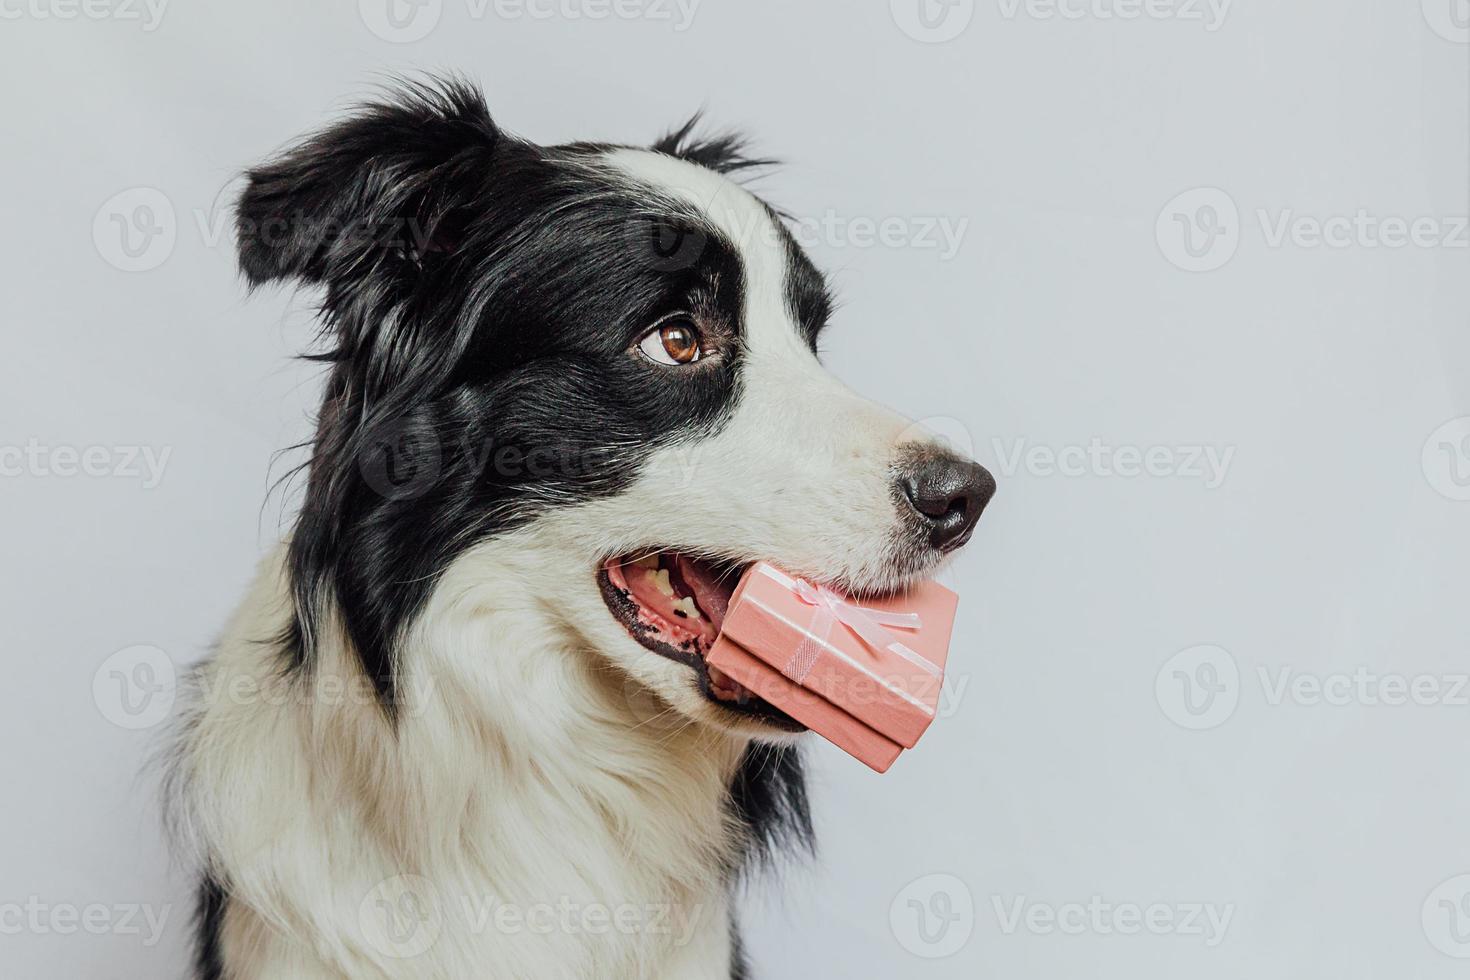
499, 799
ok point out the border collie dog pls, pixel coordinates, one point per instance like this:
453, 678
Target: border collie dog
461, 726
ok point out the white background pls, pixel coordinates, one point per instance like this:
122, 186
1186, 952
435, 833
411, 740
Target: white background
1073, 769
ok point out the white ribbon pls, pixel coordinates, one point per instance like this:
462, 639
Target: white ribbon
867, 624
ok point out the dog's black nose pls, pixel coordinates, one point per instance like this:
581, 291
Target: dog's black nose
948, 494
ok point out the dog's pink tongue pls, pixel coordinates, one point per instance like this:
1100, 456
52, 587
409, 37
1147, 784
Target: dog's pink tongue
711, 591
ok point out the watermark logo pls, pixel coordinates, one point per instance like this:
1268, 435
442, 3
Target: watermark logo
1446, 459
138, 228
400, 21
949, 432
400, 461
1450, 19
1446, 917
933, 916
135, 230
1199, 230
1198, 688
401, 918
646, 706
932, 21
135, 687
661, 243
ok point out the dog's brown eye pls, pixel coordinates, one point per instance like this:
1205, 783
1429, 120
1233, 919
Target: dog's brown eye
674, 343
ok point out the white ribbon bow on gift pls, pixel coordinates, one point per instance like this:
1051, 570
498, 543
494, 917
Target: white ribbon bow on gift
867, 624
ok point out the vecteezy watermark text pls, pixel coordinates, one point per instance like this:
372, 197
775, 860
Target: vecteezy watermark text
922, 232
406, 21
1096, 917
1200, 687
137, 230
35, 459
147, 12
1208, 464
1201, 229
937, 21
1210, 13
404, 916
568, 917
41, 918
1363, 686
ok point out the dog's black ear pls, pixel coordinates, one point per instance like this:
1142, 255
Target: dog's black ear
375, 192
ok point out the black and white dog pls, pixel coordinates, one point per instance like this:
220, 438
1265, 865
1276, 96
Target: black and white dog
461, 726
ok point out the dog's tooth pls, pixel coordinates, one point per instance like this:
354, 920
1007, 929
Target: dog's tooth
686, 606
661, 582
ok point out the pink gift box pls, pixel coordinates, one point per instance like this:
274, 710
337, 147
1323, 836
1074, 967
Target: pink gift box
866, 676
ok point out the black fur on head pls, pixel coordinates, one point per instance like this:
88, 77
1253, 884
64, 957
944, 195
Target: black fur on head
480, 294
724, 153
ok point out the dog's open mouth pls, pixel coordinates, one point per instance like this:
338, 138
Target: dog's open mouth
674, 604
